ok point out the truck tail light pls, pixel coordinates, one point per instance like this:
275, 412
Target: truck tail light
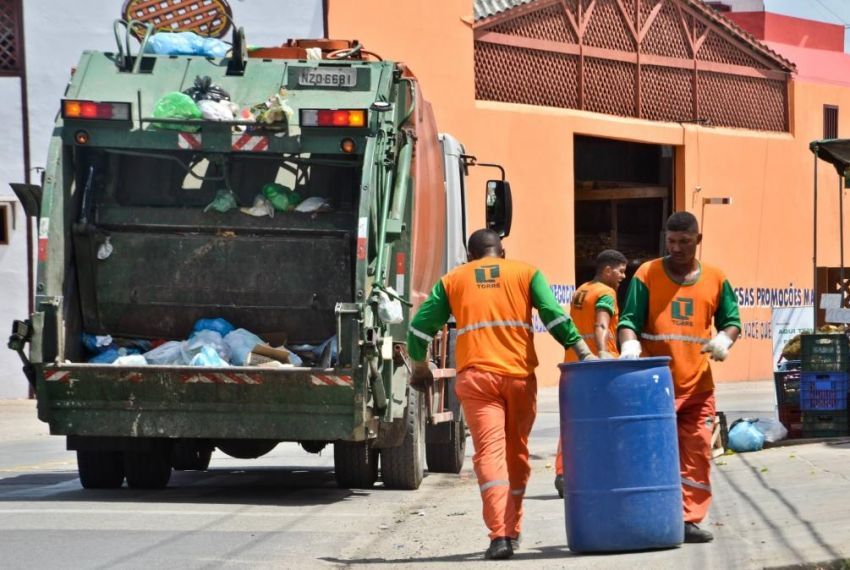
106, 111
352, 118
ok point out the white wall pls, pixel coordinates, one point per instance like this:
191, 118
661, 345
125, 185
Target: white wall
55, 34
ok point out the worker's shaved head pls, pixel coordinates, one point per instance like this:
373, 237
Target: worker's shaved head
682, 222
484, 243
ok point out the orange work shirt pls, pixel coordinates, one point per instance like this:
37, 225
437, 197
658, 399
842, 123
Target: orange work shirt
587, 300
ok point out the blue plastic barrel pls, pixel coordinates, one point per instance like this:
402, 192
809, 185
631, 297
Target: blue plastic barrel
622, 487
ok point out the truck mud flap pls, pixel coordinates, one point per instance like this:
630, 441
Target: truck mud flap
178, 401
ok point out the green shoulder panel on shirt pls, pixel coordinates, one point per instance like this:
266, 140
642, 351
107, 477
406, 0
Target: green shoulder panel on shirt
606, 303
556, 321
429, 319
727, 314
633, 314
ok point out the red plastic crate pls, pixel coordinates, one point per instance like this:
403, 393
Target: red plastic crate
792, 418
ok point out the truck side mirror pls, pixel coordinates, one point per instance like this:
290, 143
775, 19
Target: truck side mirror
30, 197
499, 207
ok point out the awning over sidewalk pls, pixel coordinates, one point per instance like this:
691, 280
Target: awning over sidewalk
833, 151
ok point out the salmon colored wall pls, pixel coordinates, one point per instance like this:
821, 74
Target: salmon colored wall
762, 240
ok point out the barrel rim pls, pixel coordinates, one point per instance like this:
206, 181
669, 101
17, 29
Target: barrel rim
657, 360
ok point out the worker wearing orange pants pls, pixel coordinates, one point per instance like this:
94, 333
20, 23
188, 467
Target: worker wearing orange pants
491, 299
500, 412
694, 419
670, 307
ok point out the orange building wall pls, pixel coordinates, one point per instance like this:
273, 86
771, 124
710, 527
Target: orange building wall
762, 240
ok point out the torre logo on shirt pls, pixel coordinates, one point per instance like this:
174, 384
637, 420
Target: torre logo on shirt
487, 276
681, 311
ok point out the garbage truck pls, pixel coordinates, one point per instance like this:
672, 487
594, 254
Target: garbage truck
130, 250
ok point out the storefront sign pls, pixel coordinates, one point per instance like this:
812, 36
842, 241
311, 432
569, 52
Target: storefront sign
785, 324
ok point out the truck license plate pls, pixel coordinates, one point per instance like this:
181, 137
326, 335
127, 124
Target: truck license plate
327, 77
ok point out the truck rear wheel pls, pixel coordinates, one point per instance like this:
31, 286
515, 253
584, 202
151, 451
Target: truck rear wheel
191, 455
100, 469
355, 464
446, 455
148, 469
403, 467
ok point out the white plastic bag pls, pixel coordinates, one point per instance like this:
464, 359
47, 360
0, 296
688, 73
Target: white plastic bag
169, 353
207, 356
314, 204
389, 310
262, 207
217, 110
772, 429
202, 338
131, 360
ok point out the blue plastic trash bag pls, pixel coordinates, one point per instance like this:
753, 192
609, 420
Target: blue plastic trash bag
218, 325
744, 436
185, 43
96, 343
207, 357
241, 342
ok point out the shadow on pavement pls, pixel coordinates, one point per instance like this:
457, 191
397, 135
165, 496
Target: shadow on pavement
776, 530
542, 553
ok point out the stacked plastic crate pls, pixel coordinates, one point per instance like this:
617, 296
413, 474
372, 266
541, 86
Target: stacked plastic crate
824, 385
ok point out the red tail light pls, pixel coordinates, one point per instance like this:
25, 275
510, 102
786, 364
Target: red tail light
351, 118
106, 111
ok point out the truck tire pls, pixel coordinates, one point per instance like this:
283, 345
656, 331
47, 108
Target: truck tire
148, 469
403, 467
100, 469
191, 456
355, 464
447, 455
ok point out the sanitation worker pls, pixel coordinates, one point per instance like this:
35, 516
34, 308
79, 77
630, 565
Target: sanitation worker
669, 309
491, 299
594, 311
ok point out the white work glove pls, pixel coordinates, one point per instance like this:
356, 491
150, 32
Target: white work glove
583, 351
630, 350
718, 347
605, 355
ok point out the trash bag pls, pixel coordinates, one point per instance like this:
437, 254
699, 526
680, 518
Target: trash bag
185, 43
112, 354
96, 343
772, 429
205, 338
218, 110
389, 308
262, 207
205, 90
281, 197
241, 342
313, 204
130, 360
324, 354
274, 110
167, 354
176, 105
744, 436
224, 201
208, 356
219, 325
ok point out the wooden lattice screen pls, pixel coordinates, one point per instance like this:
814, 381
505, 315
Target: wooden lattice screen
663, 60
10, 37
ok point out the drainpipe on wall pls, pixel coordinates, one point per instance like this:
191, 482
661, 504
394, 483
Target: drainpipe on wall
25, 132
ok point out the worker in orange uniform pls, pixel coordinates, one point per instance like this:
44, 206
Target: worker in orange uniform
491, 299
594, 311
670, 305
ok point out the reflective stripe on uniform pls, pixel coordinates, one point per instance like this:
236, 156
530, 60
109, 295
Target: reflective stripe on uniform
696, 485
679, 337
491, 484
556, 322
486, 324
421, 335
518, 492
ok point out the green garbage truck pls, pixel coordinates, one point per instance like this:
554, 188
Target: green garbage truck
151, 219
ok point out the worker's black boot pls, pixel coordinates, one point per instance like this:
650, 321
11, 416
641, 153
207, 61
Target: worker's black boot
500, 549
693, 533
515, 542
559, 485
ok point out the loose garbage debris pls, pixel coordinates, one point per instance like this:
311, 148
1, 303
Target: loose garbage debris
273, 110
262, 207
282, 198
224, 201
212, 343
